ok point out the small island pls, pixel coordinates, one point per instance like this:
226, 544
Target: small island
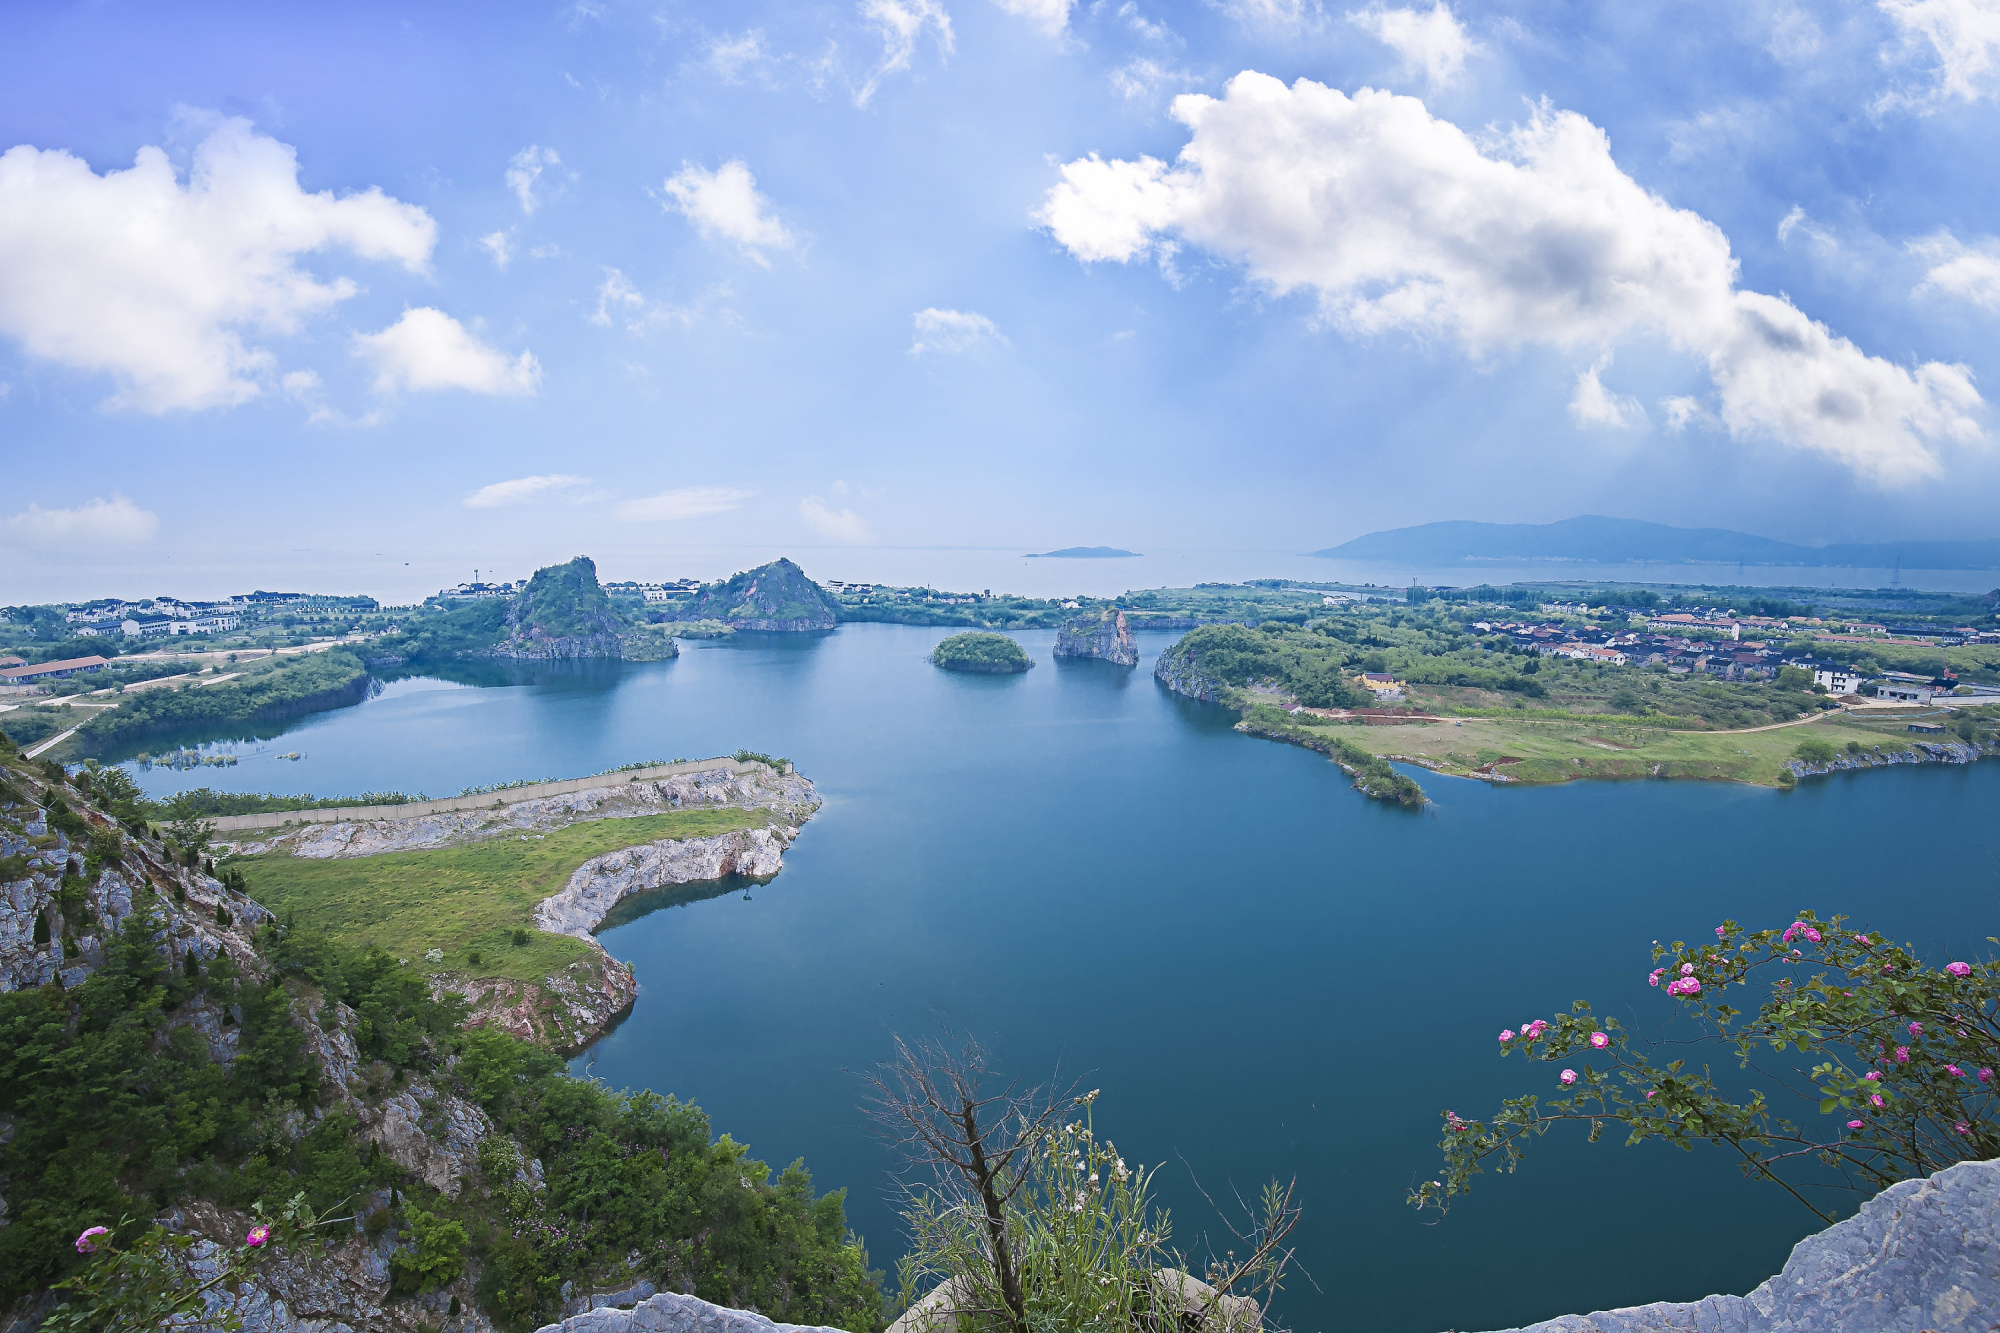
982, 654
1085, 553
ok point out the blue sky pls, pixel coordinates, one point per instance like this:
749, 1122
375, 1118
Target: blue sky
685, 285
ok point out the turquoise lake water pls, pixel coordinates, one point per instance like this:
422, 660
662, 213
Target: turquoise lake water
1264, 973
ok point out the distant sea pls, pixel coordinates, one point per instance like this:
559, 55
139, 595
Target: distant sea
946, 568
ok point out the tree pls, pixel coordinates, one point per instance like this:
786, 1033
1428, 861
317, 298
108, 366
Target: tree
1901, 1056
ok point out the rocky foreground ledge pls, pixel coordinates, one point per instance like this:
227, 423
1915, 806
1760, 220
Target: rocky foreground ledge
1923, 1256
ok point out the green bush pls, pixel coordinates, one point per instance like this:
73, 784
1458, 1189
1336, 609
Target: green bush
438, 1257
1814, 751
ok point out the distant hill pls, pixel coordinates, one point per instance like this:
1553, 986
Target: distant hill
1083, 553
777, 596
564, 613
1593, 539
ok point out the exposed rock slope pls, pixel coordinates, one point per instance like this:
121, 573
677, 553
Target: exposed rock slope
1921, 1255
777, 596
1104, 636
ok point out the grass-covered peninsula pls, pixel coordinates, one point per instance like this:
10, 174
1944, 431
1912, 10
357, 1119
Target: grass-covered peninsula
982, 654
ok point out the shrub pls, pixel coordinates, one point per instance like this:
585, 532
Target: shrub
1814, 751
438, 1257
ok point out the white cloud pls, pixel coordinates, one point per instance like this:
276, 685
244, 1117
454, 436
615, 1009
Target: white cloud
157, 283
428, 349
1683, 412
952, 331
689, 502
522, 489
113, 522
1430, 42
729, 57
525, 169
499, 246
836, 525
1140, 78
724, 205
1048, 16
901, 23
1969, 272
1270, 14
1397, 220
1145, 27
1595, 405
1796, 221
618, 301
1795, 36
1963, 37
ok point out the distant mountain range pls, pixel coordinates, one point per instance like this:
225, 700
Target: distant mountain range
1593, 539
1083, 553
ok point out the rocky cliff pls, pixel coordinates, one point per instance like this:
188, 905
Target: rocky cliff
777, 596
1923, 1256
1178, 670
1105, 636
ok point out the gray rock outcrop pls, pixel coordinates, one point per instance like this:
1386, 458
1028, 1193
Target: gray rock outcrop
601, 883
1105, 636
1923, 1256
1178, 671
670, 1312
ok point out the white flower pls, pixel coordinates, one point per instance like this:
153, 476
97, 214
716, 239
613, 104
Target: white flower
434, 955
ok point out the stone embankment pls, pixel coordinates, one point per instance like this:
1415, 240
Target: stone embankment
1106, 636
1923, 1256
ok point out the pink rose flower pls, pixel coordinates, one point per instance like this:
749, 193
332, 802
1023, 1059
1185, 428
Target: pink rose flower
1959, 969
1962, 1127
1902, 1055
1687, 969
1985, 1076
1718, 932
1872, 1075
1955, 1071
1599, 1040
1875, 1100
1568, 1077
1649, 1094
87, 1242
1506, 1035
1654, 980
1812, 934
258, 1235
1916, 1029
1854, 1124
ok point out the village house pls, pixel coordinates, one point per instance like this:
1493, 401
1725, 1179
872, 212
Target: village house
1836, 679
68, 666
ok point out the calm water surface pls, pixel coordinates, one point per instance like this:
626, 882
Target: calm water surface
1265, 974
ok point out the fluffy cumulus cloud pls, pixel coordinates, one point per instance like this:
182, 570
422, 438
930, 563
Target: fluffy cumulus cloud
835, 525
428, 349
1049, 16
1396, 220
901, 24
522, 489
162, 283
1958, 39
525, 170
113, 522
1969, 272
1431, 42
952, 331
724, 205
688, 502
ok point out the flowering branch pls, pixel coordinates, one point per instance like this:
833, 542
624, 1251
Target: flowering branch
1905, 1068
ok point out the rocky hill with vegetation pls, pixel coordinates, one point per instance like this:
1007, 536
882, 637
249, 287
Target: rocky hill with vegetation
980, 653
170, 1052
777, 596
1106, 635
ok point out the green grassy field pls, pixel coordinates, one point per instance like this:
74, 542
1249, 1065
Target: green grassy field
464, 900
1541, 751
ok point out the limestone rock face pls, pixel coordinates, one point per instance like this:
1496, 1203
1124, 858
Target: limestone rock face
670, 1312
1178, 671
602, 883
1104, 636
1923, 1255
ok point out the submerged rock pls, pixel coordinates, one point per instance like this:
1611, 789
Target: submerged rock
1105, 636
1923, 1255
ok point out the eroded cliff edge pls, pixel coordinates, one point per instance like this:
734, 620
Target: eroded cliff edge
568, 1009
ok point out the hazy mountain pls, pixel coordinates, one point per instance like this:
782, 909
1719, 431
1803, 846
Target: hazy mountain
1593, 539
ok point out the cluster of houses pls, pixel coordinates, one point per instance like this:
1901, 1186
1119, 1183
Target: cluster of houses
161, 616
1680, 642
